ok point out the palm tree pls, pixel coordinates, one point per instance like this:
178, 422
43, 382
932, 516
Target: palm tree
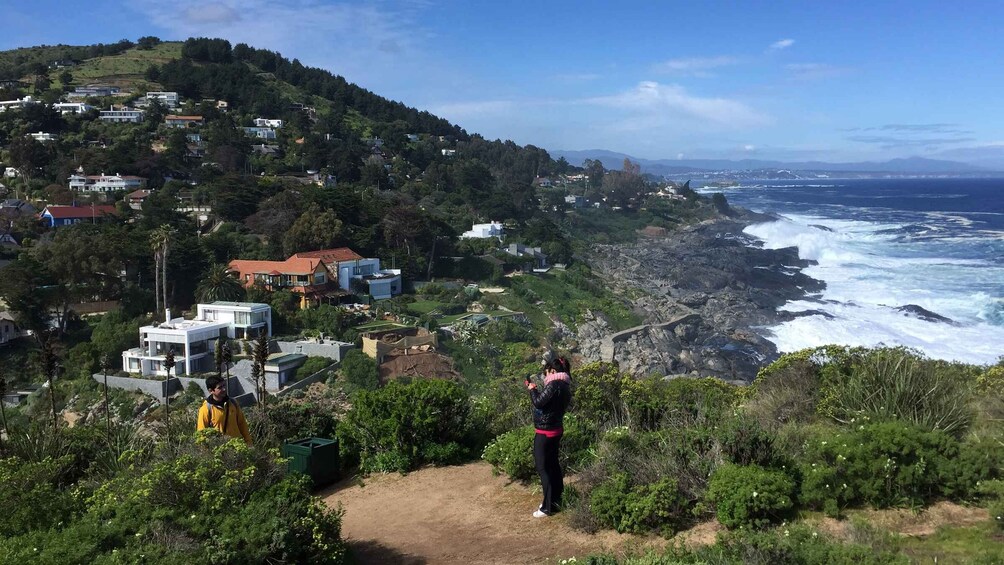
219, 283
160, 242
48, 360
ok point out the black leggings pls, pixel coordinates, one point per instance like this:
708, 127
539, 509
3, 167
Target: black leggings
545, 456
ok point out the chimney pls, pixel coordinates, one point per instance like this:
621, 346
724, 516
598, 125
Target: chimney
167, 314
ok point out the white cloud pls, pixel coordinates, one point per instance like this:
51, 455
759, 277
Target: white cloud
749, 148
660, 101
781, 44
694, 65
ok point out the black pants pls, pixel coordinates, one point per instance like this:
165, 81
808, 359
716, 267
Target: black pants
545, 456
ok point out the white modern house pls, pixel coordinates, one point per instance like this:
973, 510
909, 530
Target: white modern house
43, 136
484, 231
194, 341
382, 283
105, 183
19, 103
121, 115
260, 132
267, 123
72, 107
169, 99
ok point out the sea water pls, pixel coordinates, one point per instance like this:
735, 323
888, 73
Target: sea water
880, 244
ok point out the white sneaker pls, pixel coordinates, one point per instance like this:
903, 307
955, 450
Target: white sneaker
540, 514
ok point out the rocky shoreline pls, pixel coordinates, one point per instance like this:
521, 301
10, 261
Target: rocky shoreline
702, 292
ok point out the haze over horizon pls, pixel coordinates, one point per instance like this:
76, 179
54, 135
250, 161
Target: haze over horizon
786, 81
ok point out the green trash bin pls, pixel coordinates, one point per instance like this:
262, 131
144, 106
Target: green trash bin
314, 456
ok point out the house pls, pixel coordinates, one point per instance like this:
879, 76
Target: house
136, 198
350, 266
173, 121
542, 182
9, 329
13, 208
169, 99
484, 231
448, 152
575, 201
260, 133
194, 341
43, 137
8, 240
267, 123
304, 276
94, 90
532, 255
412, 137
59, 216
62, 64
105, 183
13, 83
65, 108
11, 173
16, 104
121, 115
222, 106
264, 150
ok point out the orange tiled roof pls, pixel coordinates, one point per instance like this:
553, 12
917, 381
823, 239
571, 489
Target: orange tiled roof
331, 256
291, 266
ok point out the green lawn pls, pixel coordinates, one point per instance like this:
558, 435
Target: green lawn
128, 66
420, 307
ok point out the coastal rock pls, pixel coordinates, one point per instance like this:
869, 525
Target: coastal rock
925, 314
706, 292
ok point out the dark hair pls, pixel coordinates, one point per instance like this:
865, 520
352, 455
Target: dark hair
560, 364
213, 382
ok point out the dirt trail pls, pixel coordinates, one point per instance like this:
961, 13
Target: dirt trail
460, 514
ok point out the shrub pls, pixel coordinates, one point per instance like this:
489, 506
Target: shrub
360, 371
33, 495
311, 366
750, 495
744, 442
395, 428
994, 491
892, 464
640, 508
512, 452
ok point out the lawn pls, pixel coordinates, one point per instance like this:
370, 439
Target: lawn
420, 307
128, 66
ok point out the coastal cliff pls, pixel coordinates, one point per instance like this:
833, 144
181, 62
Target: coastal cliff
704, 292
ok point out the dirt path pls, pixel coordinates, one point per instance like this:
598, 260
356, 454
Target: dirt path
460, 514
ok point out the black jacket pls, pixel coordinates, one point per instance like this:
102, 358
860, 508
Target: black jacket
549, 405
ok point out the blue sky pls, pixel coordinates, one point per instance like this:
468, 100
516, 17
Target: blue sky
835, 81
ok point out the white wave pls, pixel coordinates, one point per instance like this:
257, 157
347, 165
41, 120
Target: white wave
869, 271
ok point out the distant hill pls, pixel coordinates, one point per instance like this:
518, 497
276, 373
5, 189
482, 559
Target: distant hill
918, 165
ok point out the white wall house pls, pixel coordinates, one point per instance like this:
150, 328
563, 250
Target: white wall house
260, 132
72, 107
484, 231
382, 283
20, 103
267, 123
43, 136
105, 183
124, 116
194, 341
169, 99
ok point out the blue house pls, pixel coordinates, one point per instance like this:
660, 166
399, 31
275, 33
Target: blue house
59, 216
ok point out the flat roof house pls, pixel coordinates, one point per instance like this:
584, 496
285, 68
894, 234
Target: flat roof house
194, 341
105, 183
260, 132
484, 231
169, 99
72, 107
121, 115
173, 121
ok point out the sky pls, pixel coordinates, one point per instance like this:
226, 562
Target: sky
831, 81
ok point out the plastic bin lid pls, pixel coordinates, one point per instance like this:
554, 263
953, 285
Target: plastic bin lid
313, 442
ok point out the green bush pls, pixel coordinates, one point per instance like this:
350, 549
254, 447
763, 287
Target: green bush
750, 495
659, 506
34, 497
892, 464
360, 371
398, 427
994, 491
512, 453
311, 366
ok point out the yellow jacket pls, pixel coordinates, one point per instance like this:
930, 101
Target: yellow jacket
230, 420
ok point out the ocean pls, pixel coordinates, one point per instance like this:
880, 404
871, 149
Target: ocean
881, 244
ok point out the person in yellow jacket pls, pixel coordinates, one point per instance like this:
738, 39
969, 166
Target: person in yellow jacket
219, 412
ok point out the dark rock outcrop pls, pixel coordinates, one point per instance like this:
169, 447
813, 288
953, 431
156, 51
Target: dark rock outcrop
925, 314
706, 292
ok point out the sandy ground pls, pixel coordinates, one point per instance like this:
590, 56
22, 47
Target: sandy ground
460, 514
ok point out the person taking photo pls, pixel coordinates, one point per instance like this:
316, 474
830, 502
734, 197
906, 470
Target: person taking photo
549, 406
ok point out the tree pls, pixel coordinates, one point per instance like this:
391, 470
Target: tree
219, 283
147, 42
106, 365
360, 370
49, 363
160, 241
168, 365
314, 229
27, 156
260, 357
